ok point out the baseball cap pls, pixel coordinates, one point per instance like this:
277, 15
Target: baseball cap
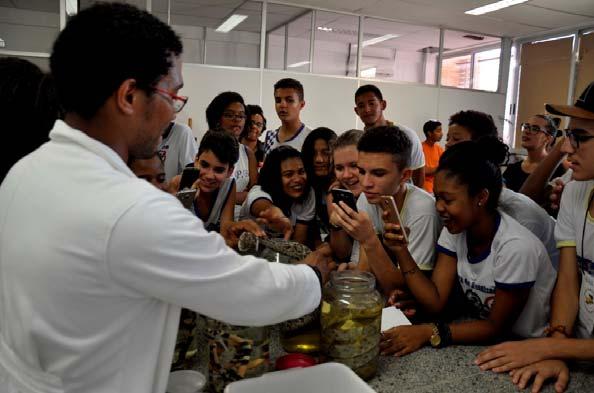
582, 109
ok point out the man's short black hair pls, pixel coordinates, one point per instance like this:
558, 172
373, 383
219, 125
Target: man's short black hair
478, 123
390, 140
290, 83
430, 126
221, 144
369, 89
104, 45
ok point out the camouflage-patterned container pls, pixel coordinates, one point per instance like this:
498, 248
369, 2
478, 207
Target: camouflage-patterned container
351, 321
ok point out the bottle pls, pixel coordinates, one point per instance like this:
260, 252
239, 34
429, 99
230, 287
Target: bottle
351, 321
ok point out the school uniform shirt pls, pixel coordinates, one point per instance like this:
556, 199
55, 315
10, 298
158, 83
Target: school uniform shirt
177, 150
213, 221
575, 228
95, 265
418, 213
301, 212
533, 217
241, 174
271, 141
417, 158
516, 259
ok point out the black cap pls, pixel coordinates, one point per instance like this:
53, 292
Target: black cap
582, 109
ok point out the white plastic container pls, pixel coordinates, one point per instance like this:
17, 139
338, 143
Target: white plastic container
323, 378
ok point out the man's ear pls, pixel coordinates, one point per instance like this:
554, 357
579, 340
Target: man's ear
230, 170
383, 104
406, 175
126, 96
302, 104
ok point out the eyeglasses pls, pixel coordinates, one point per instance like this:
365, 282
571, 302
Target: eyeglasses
234, 116
177, 102
532, 128
257, 124
577, 136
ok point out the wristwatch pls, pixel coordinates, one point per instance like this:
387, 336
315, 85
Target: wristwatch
435, 339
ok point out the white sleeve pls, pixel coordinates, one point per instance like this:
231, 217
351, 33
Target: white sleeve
516, 264
188, 146
253, 195
565, 235
446, 243
422, 241
417, 158
167, 255
306, 211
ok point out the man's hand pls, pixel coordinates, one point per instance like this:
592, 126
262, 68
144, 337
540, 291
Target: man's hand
513, 354
320, 258
357, 224
233, 230
556, 191
542, 371
276, 219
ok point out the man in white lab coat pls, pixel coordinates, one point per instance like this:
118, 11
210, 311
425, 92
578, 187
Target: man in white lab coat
95, 263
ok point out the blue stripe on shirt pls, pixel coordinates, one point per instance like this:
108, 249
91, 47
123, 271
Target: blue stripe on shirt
515, 285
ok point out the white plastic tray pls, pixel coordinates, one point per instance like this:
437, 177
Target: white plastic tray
323, 378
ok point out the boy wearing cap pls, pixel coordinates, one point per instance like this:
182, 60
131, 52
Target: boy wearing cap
572, 302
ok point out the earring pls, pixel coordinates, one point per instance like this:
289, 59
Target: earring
480, 204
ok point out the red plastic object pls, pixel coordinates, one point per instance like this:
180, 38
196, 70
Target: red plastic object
295, 360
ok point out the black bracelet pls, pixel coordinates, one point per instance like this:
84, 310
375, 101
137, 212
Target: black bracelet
319, 274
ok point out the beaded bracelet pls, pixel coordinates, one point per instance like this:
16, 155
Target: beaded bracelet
548, 332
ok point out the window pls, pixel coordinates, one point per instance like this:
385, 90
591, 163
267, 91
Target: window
288, 38
470, 61
399, 51
335, 44
29, 26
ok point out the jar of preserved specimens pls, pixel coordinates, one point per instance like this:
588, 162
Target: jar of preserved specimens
235, 352
351, 321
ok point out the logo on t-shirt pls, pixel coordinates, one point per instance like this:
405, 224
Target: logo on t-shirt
163, 152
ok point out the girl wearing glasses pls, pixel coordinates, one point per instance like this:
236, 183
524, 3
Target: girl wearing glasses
251, 134
227, 112
538, 136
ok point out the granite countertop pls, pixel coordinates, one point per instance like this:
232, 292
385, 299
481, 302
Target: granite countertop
438, 371
452, 370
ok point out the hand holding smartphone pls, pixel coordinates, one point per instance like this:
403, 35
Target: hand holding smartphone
388, 204
186, 197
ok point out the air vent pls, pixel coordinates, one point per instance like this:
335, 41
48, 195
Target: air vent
474, 37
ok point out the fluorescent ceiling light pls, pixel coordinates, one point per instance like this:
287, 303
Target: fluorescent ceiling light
323, 28
295, 65
494, 7
377, 40
230, 23
369, 72
552, 39
2, 43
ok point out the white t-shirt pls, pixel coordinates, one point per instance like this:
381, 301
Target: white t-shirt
418, 213
178, 150
533, 217
568, 233
271, 141
241, 170
300, 212
516, 259
417, 157
95, 265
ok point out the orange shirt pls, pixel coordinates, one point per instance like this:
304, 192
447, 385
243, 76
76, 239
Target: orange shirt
432, 154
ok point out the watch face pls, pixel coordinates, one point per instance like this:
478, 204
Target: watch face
435, 340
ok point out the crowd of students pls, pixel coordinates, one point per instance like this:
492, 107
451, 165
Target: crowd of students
465, 240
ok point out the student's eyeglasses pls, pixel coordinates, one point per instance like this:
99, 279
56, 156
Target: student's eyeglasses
257, 124
234, 116
577, 136
532, 128
177, 102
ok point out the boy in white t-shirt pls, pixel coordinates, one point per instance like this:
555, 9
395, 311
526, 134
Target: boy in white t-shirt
572, 302
383, 171
503, 269
288, 102
177, 149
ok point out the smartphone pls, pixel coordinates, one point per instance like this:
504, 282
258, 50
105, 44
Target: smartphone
339, 194
388, 204
188, 177
186, 197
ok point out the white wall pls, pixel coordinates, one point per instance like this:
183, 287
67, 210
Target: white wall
330, 100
